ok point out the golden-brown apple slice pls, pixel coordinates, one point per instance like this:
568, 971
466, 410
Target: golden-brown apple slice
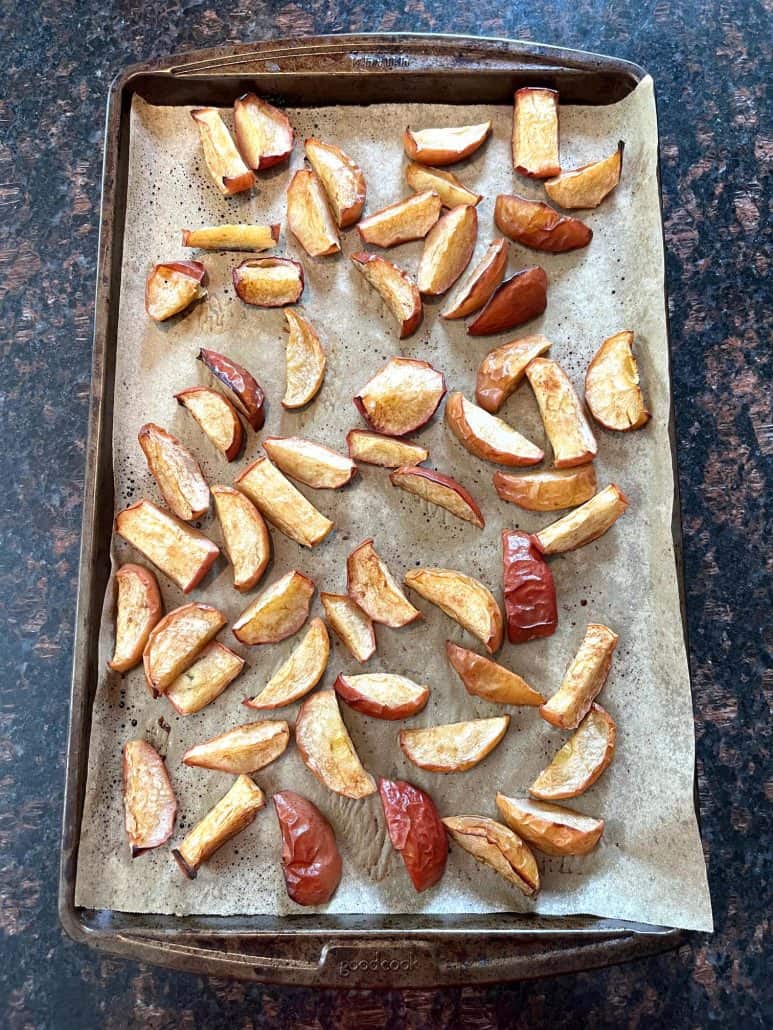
536, 225
245, 390
285, 507
232, 237
305, 362
150, 805
308, 216
401, 397
176, 472
177, 640
398, 291
587, 186
477, 287
245, 536
182, 553
214, 669
548, 489
498, 847
264, 134
519, 299
382, 695
216, 417
139, 607
463, 599
172, 287
310, 462
445, 184
327, 749
581, 760
535, 132
454, 747
386, 451
244, 749
409, 219
551, 829
439, 489
341, 178
299, 673
487, 436
586, 523
371, 585
352, 626
583, 680
229, 172
444, 146
503, 369
447, 250
484, 678
276, 613
612, 390
271, 282
566, 426
232, 814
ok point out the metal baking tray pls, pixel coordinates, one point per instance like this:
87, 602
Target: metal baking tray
313, 950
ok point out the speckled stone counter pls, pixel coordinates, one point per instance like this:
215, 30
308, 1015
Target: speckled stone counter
708, 60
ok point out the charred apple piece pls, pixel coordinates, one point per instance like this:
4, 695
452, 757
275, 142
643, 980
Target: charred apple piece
444, 146
586, 523
463, 599
271, 282
519, 299
232, 814
214, 669
483, 678
172, 287
176, 642
232, 237
229, 172
341, 178
263, 133
326, 747
612, 389
447, 250
503, 369
305, 362
398, 291
455, 747
530, 594
371, 585
535, 132
284, 506
182, 553
587, 186
402, 397
139, 607
439, 489
548, 490
477, 287
567, 428
311, 861
276, 613
581, 760
150, 805
584, 679
409, 219
386, 451
308, 216
487, 436
350, 624
244, 749
299, 674
310, 462
415, 831
382, 695
216, 417
536, 225
245, 536
176, 472
245, 390
551, 829
496, 846
445, 184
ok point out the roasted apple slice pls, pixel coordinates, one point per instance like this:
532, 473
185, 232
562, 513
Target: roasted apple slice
308, 216
415, 831
176, 641
588, 185
341, 178
244, 749
277, 612
232, 814
216, 417
476, 288
310, 462
150, 805
299, 673
534, 224
326, 747
496, 846
551, 829
176, 472
503, 369
401, 397
263, 133
567, 428
352, 626
398, 291
581, 760
305, 362
612, 390
487, 436
586, 523
214, 669
311, 861
445, 184
535, 132
483, 678
229, 172
284, 506
245, 536
378, 449
583, 680
271, 282
444, 146
245, 390
382, 695
182, 553
371, 585
455, 747
439, 489
232, 237
464, 600
447, 250
548, 489
409, 219
519, 299
138, 608
172, 287
531, 610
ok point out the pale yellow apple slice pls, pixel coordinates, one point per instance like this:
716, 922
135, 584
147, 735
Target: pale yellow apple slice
299, 673
214, 669
409, 219
352, 626
483, 678
150, 805
386, 451
172, 287
176, 472
244, 749
588, 185
371, 585
284, 506
341, 178
583, 680
232, 814
216, 417
176, 641
463, 599
309, 462
551, 829
139, 606
612, 389
447, 250
548, 489
454, 747
308, 216
245, 536
263, 133
586, 523
535, 132
398, 291
305, 362
229, 172
182, 553
503, 369
327, 749
382, 695
444, 146
567, 428
401, 397
246, 392
271, 282
487, 436
445, 184
232, 237
477, 287
581, 760
439, 489
498, 847
277, 612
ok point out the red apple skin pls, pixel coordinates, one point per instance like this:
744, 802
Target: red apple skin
530, 594
311, 861
415, 830
240, 382
367, 706
519, 299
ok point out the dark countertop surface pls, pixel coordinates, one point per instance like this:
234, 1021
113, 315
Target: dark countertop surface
708, 60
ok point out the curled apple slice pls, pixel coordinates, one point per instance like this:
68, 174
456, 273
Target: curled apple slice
612, 389
150, 805
176, 472
445, 184
487, 436
519, 299
285, 507
447, 250
245, 536
242, 750
455, 747
483, 678
587, 186
386, 451
409, 219
277, 612
351, 625
172, 287
341, 178
299, 673
463, 599
229, 172
176, 641
216, 417
415, 831
232, 814
548, 490
309, 462
473, 292
581, 760
271, 282
439, 489
566, 426
305, 362
371, 585
308, 216
535, 132
536, 225
530, 593
503, 369
214, 669
498, 847
263, 133
586, 523
551, 829
232, 237
182, 553
139, 607
311, 861
583, 680
398, 291
382, 695
245, 390
444, 146
401, 397
327, 750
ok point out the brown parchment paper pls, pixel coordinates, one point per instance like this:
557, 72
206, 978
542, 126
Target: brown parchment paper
649, 866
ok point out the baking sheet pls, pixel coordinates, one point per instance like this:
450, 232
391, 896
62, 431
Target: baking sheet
649, 866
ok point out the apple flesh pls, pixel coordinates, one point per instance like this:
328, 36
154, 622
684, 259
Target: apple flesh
548, 489
584, 679
232, 237
612, 390
451, 192
176, 472
232, 814
242, 750
586, 523
352, 626
447, 250
215, 668
276, 613
440, 490
150, 805
245, 390
409, 219
172, 287
402, 397
502, 370
245, 536
216, 417
382, 695
517, 300
455, 747
463, 599
378, 449
530, 593
444, 146
139, 606
263, 133
308, 216
535, 132
534, 224
177, 640
305, 362
415, 831
299, 674
581, 760
327, 750
551, 829
371, 585
182, 553
311, 861
496, 846
398, 291
229, 172
483, 678
473, 292
310, 463
587, 186
284, 506
271, 282
565, 423
487, 436
341, 178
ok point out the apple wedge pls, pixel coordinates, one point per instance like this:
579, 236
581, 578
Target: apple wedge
139, 606
214, 669
535, 132
586, 523
245, 536
305, 362
531, 610
299, 673
581, 760
398, 291
150, 805
176, 472
232, 237
382, 695
444, 146
182, 553
464, 600
285, 507
350, 624
551, 829
177, 640
309, 462
503, 369
341, 178
455, 747
415, 831
566, 426
401, 397
229, 172
232, 814
483, 678
445, 184
242, 750
263, 133
308, 216
311, 861
583, 680
440, 490
386, 451
447, 250
327, 750
496, 846
587, 186
612, 390
517, 300
409, 219
477, 287
536, 225
172, 287
271, 282
245, 390
371, 585
277, 612
487, 436
216, 417
548, 489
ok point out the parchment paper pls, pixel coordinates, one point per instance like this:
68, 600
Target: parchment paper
649, 866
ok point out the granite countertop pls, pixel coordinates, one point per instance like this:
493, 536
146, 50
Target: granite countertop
708, 62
